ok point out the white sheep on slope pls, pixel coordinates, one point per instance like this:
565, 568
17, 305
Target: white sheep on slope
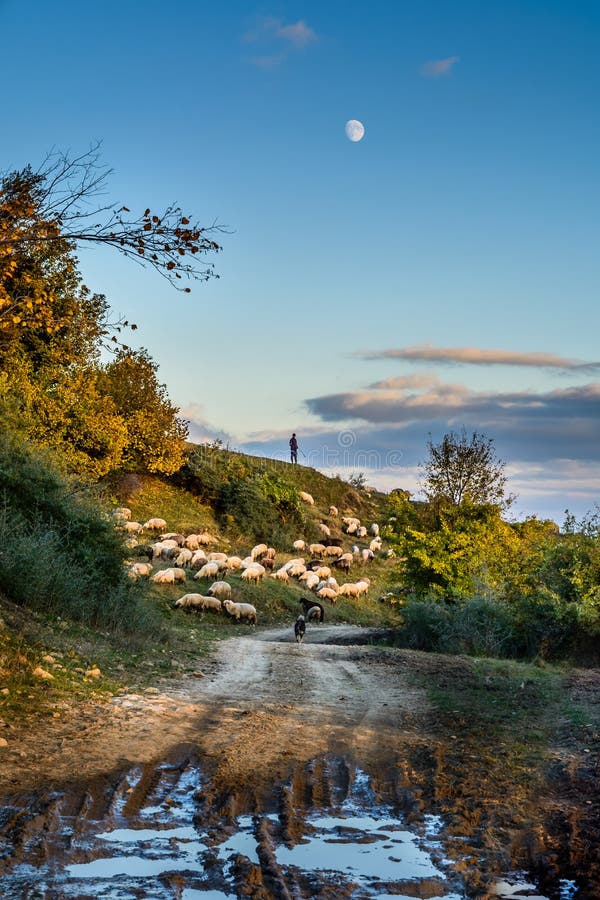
208, 570
327, 594
254, 573
316, 549
324, 529
198, 559
169, 576
375, 545
155, 525
299, 546
307, 498
139, 570
374, 529
233, 563
133, 527
281, 575
258, 551
240, 611
122, 513
184, 558
198, 601
220, 589
333, 510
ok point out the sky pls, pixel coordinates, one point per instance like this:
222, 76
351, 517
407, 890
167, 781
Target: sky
441, 272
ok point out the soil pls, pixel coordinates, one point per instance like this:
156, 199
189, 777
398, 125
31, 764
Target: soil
272, 726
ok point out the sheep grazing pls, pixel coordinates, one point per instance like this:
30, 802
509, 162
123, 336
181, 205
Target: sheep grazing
299, 629
268, 563
253, 573
363, 586
281, 575
332, 583
367, 555
299, 546
350, 520
139, 570
155, 525
184, 558
323, 572
198, 559
352, 528
233, 563
324, 529
375, 545
258, 551
162, 548
271, 553
316, 613
172, 536
333, 510
296, 570
349, 590
307, 498
199, 602
374, 529
239, 611
208, 570
343, 564
131, 543
328, 594
133, 527
333, 551
121, 513
169, 576
355, 550
310, 580
220, 589
191, 542
205, 538
361, 532
317, 549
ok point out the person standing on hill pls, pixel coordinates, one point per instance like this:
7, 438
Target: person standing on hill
294, 448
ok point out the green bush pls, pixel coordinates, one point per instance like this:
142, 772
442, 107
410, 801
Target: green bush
425, 623
480, 627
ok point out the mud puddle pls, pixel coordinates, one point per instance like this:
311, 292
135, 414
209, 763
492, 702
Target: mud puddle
159, 832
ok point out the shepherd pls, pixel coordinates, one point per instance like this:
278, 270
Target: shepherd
294, 448
299, 629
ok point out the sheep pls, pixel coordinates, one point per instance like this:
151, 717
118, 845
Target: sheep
307, 498
308, 603
240, 611
390, 554
315, 612
281, 575
220, 589
296, 570
233, 563
324, 529
375, 545
352, 528
333, 510
172, 536
198, 601
323, 572
208, 570
198, 559
317, 549
332, 583
363, 586
205, 538
184, 558
139, 570
310, 580
155, 525
161, 548
131, 543
355, 550
350, 520
299, 629
169, 576
253, 573
191, 542
327, 594
271, 553
133, 527
343, 564
367, 555
333, 551
121, 513
298, 561
258, 551
299, 546
268, 563
349, 590
374, 529
361, 532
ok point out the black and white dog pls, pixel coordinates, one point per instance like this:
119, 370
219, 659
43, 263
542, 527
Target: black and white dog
299, 629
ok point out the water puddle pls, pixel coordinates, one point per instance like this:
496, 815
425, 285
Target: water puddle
160, 833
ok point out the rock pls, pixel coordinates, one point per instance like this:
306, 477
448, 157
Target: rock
3, 742
198, 675
152, 690
38, 672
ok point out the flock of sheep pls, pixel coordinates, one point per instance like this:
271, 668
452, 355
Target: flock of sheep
191, 552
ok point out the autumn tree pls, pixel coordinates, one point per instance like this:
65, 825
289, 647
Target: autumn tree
461, 468
59, 207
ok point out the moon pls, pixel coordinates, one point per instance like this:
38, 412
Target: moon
355, 130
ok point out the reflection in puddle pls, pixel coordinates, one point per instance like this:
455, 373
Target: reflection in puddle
160, 834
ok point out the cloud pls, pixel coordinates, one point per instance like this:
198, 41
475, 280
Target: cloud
279, 39
435, 68
200, 430
406, 381
482, 357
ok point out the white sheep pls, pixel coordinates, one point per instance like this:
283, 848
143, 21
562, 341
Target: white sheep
172, 536
254, 573
307, 498
198, 601
299, 561
323, 571
133, 527
215, 556
240, 611
316, 549
351, 520
233, 563
160, 548
333, 510
332, 551
332, 583
352, 528
374, 529
312, 581
324, 529
271, 553
315, 612
327, 594
169, 576
361, 532
184, 558
355, 550
140, 570
299, 546
247, 562
367, 555
205, 538
258, 551
296, 570
363, 586
220, 589
155, 525
349, 590
375, 545
191, 542
281, 575
122, 513
208, 570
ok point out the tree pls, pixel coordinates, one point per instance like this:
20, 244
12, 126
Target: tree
461, 468
57, 208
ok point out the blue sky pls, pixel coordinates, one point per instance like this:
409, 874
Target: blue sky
467, 217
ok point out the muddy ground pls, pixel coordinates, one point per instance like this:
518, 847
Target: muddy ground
270, 738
